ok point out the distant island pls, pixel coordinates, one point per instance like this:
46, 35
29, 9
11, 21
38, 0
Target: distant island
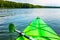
10, 4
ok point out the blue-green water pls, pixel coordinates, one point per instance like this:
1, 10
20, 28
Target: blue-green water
22, 17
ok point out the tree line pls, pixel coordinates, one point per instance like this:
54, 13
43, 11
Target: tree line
10, 4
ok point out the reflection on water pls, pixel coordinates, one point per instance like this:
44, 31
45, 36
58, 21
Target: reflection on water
22, 17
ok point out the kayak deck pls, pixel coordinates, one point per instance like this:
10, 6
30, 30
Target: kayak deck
39, 30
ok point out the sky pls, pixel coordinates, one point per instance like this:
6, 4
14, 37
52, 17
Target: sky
40, 2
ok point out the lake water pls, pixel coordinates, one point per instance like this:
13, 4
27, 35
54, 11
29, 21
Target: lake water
22, 17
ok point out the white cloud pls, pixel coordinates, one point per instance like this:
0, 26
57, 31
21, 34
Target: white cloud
46, 2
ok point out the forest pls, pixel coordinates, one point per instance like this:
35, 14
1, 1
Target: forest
10, 4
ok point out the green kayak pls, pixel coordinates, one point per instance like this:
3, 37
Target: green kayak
39, 30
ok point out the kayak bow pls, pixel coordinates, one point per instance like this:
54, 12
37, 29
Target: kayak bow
37, 30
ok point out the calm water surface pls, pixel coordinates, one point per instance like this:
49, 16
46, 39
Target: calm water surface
22, 17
